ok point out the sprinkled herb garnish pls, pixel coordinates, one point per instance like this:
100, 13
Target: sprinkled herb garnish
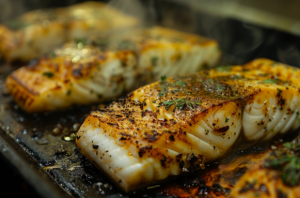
254, 181
52, 54
226, 120
48, 74
99, 96
178, 83
286, 160
163, 87
123, 63
206, 131
154, 61
224, 68
81, 42
279, 92
274, 63
69, 92
281, 101
181, 103
269, 81
153, 101
287, 145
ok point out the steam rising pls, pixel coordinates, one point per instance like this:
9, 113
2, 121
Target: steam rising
132, 7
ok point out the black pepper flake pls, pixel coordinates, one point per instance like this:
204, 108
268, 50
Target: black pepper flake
78, 137
171, 137
163, 161
95, 146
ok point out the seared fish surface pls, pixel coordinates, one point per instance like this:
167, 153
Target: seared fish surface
175, 125
277, 175
38, 32
93, 70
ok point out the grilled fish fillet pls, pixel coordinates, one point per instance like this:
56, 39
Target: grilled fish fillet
89, 71
175, 125
277, 175
38, 32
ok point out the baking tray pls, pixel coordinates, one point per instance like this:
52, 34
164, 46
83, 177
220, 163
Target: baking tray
36, 144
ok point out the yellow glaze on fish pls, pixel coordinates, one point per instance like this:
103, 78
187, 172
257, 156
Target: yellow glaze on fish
38, 32
96, 69
172, 126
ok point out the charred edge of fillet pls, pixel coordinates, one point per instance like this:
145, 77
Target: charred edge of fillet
19, 81
22, 97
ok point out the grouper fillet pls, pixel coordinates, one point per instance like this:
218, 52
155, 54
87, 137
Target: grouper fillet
37, 32
175, 125
95, 69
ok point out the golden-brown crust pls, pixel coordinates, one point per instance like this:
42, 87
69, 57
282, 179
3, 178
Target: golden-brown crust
142, 120
85, 62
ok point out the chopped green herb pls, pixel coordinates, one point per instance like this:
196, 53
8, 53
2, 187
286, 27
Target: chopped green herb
181, 103
274, 63
282, 101
69, 92
48, 74
163, 88
81, 42
206, 131
153, 101
254, 181
279, 92
123, 63
224, 68
178, 83
226, 120
256, 194
154, 61
52, 54
286, 162
163, 79
91, 91
268, 81
287, 145
99, 96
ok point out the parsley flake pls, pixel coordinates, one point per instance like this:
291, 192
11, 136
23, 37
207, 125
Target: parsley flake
163, 88
287, 145
269, 81
224, 68
206, 131
52, 54
181, 103
279, 92
226, 120
154, 61
48, 74
178, 83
